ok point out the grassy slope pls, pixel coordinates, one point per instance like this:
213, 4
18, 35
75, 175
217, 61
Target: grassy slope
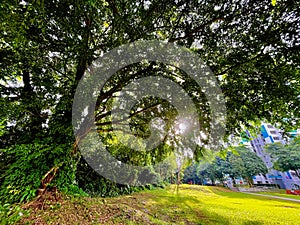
192, 205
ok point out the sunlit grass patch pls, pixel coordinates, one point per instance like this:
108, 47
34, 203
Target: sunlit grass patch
220, 206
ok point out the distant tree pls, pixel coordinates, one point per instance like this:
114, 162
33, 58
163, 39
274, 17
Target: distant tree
285, 157
239, 162
167, 169
198, 172
191, 174
252, 164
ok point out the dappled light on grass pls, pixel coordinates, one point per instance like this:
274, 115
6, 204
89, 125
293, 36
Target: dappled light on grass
218, 205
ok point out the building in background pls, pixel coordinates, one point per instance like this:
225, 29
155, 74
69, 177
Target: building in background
269, 134
292, 134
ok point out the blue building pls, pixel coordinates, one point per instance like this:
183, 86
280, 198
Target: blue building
270, 134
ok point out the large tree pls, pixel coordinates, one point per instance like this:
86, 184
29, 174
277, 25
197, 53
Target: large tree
46, 47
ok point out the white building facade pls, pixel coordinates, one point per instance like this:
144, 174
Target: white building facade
286, 180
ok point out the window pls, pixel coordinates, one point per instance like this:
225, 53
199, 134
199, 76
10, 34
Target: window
276, 138
293, 174
270, 126
273, 132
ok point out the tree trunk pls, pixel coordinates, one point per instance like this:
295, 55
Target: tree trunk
250, 181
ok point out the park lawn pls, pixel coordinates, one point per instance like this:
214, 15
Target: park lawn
192, 204
219, 206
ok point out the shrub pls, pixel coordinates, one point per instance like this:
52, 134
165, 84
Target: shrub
29, 163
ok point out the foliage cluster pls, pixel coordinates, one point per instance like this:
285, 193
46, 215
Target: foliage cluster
252, 47
11, 214
240, 162
285, 157
27, 165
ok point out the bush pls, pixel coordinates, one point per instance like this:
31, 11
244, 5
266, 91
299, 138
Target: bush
95, 185
29, 163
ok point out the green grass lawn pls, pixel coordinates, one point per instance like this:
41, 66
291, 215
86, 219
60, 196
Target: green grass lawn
217, 206
191, 205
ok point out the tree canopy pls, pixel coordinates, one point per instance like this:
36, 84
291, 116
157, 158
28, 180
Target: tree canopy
285, 157
241, 162
46, 47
